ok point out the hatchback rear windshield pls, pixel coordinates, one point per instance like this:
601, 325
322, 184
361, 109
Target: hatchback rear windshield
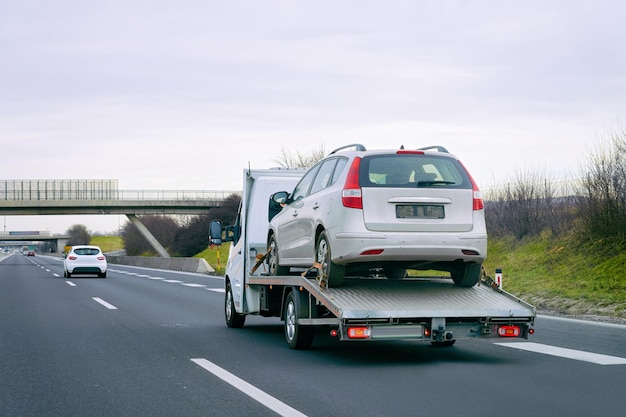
86, 251
412, 171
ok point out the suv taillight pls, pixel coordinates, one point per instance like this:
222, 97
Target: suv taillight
477, 202
351, 195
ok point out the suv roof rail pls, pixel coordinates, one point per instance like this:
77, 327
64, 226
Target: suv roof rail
356, 146
439, 148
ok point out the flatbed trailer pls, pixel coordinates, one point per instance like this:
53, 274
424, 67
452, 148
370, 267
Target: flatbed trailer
428, 309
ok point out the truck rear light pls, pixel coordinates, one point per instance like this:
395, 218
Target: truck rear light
372, 252
509, 331
351, 195
359, 332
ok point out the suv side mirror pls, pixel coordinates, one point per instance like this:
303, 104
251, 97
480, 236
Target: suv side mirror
215, 232
277, 201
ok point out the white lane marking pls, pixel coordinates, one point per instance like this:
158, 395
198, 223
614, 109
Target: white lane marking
194, 285
104, 303
250, 390
173, 281
56, 275
578, 355
216, 289
70, 283
159, 278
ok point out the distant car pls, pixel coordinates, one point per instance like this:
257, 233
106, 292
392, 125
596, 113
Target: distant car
30, 253
359, 211
85, 259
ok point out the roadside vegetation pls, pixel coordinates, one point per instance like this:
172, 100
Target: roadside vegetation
562, 245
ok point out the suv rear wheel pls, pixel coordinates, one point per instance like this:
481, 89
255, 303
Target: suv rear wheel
466, 275
334, 272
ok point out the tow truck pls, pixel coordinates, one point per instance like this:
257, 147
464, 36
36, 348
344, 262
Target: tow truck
363, 308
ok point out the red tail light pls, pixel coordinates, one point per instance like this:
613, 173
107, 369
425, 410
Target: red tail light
72, 257
360, 332
100, 258
509, 331
351, 196
478, 196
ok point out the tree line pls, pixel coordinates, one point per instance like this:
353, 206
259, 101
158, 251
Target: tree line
593, 207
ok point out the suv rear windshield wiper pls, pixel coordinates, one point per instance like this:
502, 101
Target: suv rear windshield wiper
435, 182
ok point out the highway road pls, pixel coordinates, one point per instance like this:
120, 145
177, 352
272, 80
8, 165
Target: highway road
153, 343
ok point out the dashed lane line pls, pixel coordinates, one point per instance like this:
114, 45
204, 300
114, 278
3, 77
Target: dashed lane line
250, 390
578, 355
104, 303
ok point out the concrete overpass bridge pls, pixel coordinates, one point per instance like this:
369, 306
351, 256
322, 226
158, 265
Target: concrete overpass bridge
102, 197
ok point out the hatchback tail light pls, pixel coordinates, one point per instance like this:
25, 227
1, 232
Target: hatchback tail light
477, 203
72, 257
351, 195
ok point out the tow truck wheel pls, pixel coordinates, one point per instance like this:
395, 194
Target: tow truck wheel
233, 319
334, 272
273, 266
298, 337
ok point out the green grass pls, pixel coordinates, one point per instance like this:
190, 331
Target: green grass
560, 273
216, 257
108, 243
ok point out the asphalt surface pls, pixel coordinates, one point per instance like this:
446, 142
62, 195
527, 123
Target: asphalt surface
153, 343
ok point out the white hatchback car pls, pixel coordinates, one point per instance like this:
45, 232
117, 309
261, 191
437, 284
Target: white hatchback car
85, 259
360, 212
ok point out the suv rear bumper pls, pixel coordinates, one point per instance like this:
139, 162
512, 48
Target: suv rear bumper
408, 247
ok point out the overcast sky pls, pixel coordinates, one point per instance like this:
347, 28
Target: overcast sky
185, 94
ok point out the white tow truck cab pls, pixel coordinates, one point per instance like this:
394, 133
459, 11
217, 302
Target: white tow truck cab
364, 308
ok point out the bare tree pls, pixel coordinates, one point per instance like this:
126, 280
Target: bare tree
78, 235
526, 206
300, 159
602, 193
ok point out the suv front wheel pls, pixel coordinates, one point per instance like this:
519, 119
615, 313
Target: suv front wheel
334, 272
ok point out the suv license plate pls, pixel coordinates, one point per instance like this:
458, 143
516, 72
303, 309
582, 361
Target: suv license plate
419, 211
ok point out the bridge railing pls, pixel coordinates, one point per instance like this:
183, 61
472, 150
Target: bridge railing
25, 190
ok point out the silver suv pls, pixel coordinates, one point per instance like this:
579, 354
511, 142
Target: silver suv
360, 212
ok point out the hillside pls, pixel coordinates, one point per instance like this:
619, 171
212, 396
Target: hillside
561, 276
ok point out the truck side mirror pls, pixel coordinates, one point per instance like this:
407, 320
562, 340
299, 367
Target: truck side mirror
277, 201
215, 232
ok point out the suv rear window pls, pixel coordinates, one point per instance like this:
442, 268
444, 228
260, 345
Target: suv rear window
412, 171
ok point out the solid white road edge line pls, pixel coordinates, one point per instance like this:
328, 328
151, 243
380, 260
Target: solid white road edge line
578, 355
104, 303
248, 389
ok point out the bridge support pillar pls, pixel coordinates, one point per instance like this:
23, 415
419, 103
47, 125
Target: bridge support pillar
149, 236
